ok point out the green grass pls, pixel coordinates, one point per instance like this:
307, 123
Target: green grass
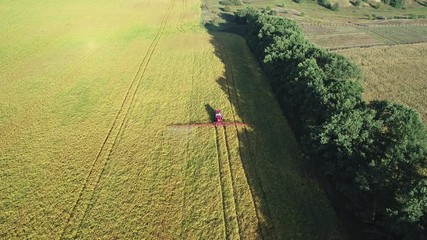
86, 151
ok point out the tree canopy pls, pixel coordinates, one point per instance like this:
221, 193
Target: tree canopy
374, 153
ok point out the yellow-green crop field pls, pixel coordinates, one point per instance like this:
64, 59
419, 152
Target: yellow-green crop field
88, 93
396, 73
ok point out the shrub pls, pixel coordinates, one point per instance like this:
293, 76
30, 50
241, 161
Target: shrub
358, 3
372, 17
231, 2
325, 3
413, 16
335, 7
397, 3
227, 8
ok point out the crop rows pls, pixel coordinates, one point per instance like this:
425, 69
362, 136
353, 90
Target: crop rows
233, 99
181, 16
90, 185
228, 201
97, 158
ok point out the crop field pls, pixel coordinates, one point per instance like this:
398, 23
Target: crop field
90, 93
311, 11
350, 27
395, 73
335, 37
340, 36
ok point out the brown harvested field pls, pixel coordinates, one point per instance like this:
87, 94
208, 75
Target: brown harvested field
396, 73
348, 36
340, 36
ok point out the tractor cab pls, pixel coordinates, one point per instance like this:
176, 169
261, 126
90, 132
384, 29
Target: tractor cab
218, 116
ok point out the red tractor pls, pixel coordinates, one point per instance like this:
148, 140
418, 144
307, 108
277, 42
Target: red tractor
218, 118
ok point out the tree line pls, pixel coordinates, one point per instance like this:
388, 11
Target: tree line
373, 153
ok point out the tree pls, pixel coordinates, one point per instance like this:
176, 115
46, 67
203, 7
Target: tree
371, 152
397, 3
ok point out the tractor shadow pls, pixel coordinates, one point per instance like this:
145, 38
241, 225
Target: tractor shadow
211, 112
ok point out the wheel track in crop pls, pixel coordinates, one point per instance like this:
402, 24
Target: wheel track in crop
97, 168
229, 73
232, 181
181, 17
230, 80
230, 217
221, 184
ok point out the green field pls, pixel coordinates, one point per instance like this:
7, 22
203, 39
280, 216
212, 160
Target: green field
88, 93
395, 73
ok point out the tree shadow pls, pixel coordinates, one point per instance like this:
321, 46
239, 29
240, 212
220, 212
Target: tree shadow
275, 170
247, 147
275, 182
227, 24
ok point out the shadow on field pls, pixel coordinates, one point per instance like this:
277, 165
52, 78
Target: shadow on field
247, 148
248, 139
284, 189
211, 112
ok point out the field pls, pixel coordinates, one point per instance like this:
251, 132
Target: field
89, 91
311, 12
337, 37
350, 27
391, 52
395, 73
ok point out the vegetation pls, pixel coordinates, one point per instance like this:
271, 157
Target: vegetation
231, 2
87, 93
397, 3
327, 4
336, 37
372, 152
402, 81
357, 3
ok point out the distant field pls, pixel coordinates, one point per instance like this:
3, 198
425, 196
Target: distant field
400, 34
309, 11
396, 73
340, 36
354, 36
88, 91
349, 27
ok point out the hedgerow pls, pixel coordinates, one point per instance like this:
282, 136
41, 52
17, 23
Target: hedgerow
371, 152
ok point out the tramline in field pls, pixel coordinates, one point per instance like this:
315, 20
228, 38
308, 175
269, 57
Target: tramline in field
218, 122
